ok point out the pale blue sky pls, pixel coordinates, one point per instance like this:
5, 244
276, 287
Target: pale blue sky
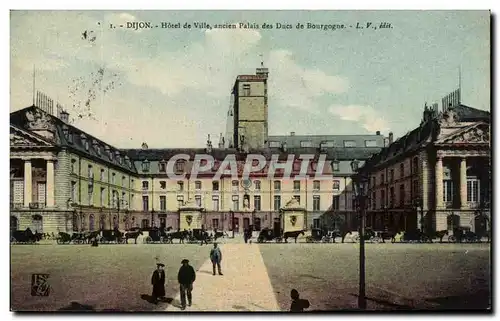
172, 87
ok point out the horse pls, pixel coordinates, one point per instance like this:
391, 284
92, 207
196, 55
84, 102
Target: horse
344, 234
132, 235
219, 235
26, 236
181, 235
92, 235
437, 234
294, 234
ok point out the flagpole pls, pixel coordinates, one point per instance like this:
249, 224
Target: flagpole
459, 83
33, 85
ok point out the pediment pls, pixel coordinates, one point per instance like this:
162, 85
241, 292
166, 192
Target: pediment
22, 138
476, 134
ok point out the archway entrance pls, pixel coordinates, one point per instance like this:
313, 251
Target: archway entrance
481, 224
14, 223
452, 222
37, 224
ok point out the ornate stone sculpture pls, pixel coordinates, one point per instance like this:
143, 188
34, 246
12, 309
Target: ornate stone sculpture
39, 120
475, 135
18, 140
449, 118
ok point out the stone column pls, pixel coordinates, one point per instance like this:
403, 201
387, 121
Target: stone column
463, 183
28, 191
50, 183
439, 183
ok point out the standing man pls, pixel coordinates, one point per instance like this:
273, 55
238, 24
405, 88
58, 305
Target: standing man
186, 277
216, 258
158, 282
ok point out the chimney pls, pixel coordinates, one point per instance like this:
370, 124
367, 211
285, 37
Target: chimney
377, 133
64, 116
391, 138
292, 133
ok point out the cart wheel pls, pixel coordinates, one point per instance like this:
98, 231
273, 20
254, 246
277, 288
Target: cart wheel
355, 239
393, 240
149, 240
452, 238
376, 239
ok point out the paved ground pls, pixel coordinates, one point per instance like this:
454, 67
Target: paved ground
117, 277
398, 276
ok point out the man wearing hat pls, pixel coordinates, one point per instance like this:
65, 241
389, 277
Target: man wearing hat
186, 277
158, 282
216, 258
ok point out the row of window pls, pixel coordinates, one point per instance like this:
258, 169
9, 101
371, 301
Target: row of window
473, 190
102, 175
235, 185
391, 173
236, 202
179, 165
115, 200
331, 143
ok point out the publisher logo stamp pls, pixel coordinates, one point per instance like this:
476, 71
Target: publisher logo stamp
40, 285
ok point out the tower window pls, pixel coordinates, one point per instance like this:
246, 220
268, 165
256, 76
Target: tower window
246, 90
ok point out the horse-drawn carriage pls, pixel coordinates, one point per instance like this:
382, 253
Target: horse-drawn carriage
369, 236
321, 236
464, 235
267, 235
24, 237
199, 235
112, 236
157, 235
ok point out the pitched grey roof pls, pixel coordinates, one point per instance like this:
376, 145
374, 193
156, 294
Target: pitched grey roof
316, 140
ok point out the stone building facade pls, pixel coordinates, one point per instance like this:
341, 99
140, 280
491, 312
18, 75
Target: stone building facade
76, 181
436, 177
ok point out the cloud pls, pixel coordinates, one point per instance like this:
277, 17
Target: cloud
366, 116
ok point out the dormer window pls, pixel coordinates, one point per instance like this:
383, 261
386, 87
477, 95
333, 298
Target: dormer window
145, 165
118, 157
179, 166
335, 165
162, 166
65, 131
86, 145
70, 137
110, 155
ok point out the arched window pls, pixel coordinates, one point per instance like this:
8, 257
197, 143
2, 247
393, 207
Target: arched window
75, 222
101, 222
91, 223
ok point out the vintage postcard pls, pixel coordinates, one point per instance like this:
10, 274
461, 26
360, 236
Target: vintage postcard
250, 161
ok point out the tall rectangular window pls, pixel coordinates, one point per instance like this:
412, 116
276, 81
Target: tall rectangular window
197, 199
336, 185
382, 198
234, 186
473, 190
316, 203
316, 185
402, 170
296, 185
277, 202
91, 194
402, 194
416, 190
256, 202
336, 202
215, 223
90, 172
297, 197
180, 186
448, 191
145, 203
257, 185
73, 192
162, 167
197, 185
113, 178
246, 89
277, 186
73, 166
215, 203
102, 195
180, 200
101, 177
215, 186
391, 197
163, 203
236, 205
315, 222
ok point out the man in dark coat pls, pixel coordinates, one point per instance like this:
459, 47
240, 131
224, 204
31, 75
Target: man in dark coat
298, 304
186, 277
158, 282
216, 258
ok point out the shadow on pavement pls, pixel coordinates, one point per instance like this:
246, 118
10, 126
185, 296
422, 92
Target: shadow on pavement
478, 301
150, 299
205, 272
392, 305
240, 308
78, 307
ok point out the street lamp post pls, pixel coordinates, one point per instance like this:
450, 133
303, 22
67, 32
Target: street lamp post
420, 209
232, 221
360, 201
